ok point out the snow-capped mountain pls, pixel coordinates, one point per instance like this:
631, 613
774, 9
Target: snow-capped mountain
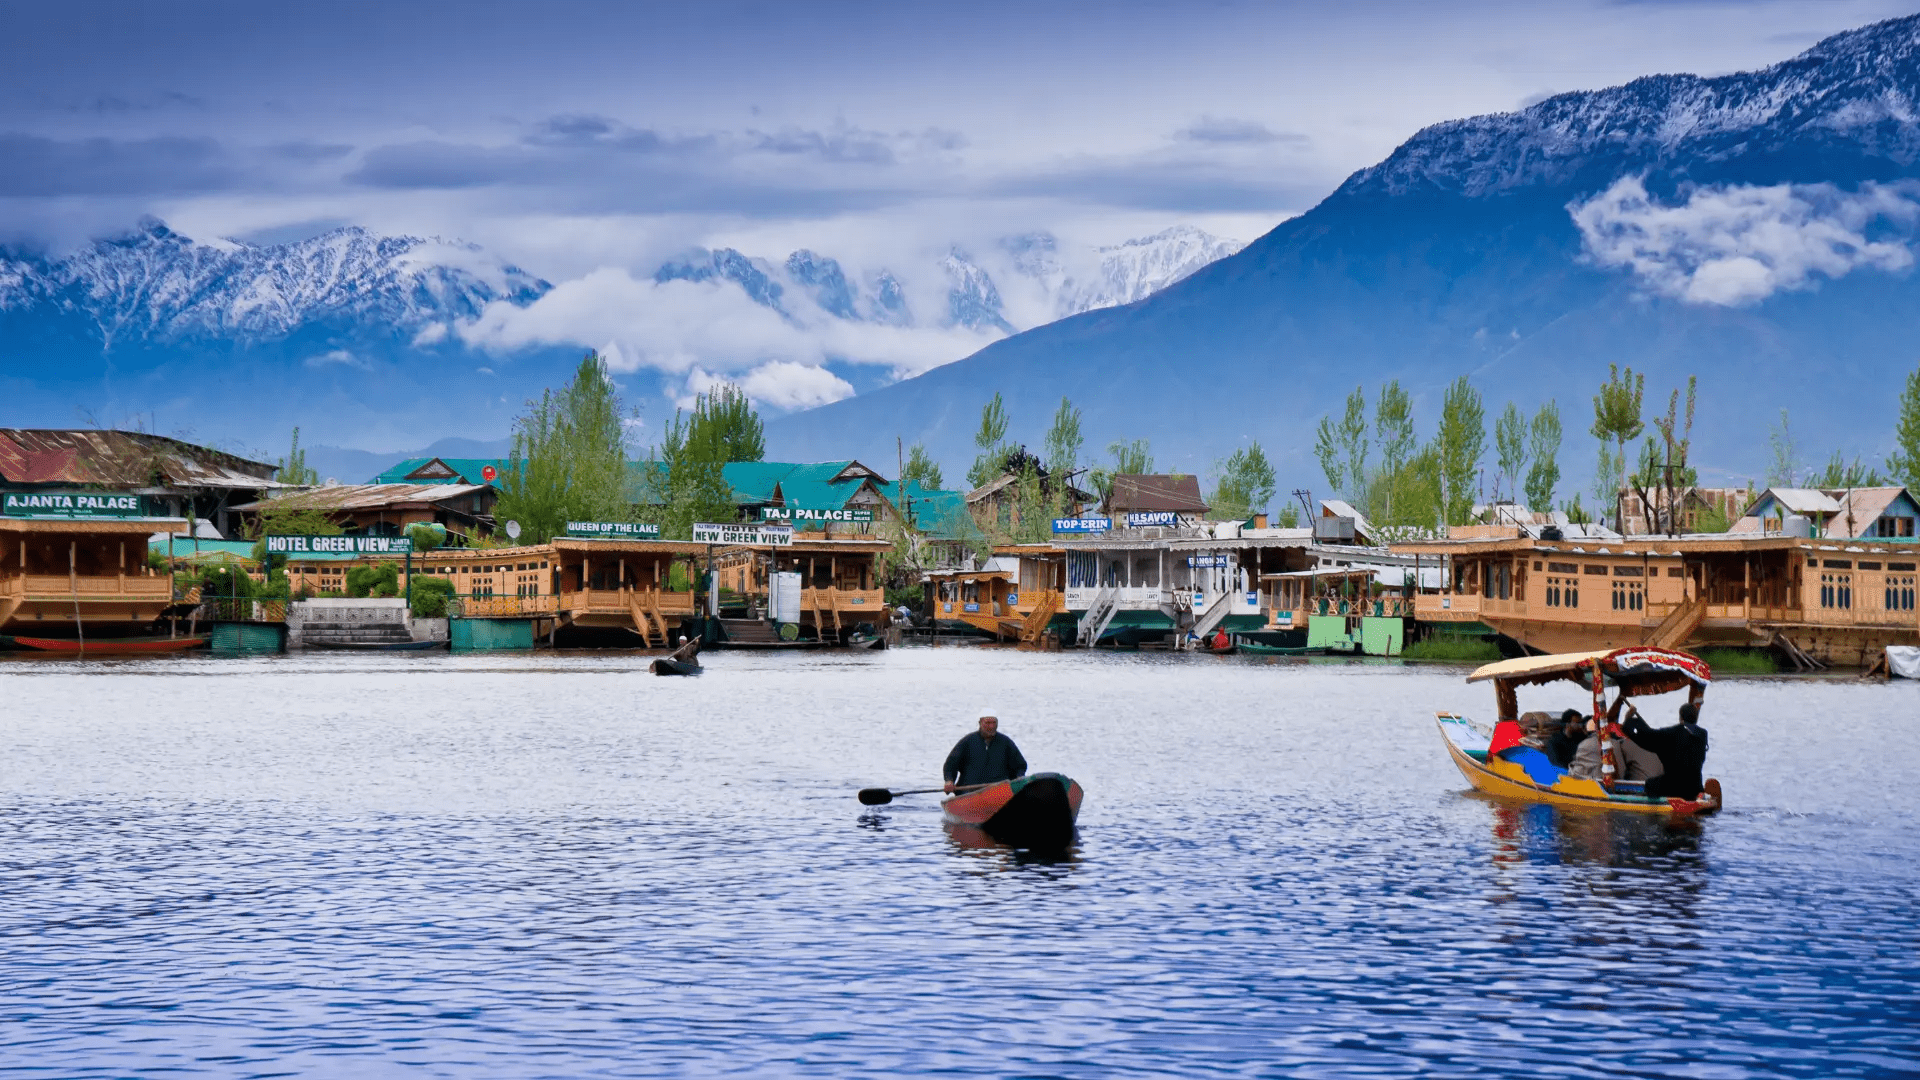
153, 284
1139, 268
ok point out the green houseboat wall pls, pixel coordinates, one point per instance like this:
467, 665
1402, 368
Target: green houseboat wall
247, 639
490, 635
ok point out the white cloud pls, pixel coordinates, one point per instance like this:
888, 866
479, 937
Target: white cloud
430, 334
781, 384
338, 358
1735, 246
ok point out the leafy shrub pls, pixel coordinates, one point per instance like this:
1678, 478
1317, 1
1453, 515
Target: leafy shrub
425, 537
430, 596
376, 581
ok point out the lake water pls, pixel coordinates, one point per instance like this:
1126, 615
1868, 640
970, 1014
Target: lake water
559, 866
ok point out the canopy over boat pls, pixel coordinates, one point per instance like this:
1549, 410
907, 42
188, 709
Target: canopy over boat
1636, 670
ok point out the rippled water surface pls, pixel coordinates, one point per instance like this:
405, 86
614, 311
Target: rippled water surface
559, 866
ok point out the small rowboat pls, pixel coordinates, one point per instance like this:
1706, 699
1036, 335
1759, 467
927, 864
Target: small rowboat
1260, 649
102, 646
1036, 811
1496, 761
673, 665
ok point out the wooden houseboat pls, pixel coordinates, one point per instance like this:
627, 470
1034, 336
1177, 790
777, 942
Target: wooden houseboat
1821, 601
817, 588
67, 578
642, 586
1020, 595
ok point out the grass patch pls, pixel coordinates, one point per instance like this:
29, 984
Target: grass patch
1460, 650
1740, 661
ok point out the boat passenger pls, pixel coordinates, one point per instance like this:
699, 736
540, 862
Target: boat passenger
983, 756
1682, 750
1634, 762
1220, 639
1564, 742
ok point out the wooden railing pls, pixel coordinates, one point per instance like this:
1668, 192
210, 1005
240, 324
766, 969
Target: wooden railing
1445, 607
502, 607
1037, 620
130, 586
852, 601
620, 601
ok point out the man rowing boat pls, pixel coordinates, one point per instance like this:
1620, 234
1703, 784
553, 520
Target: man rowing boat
983, 757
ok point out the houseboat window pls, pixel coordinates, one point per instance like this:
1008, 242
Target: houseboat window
1562, 568
1598, 571
1676, 571
1900, 593
1629, 596
1869, 566
1811, 561
1839, 564
1536, 564
1836, 590
1900, 566
1626, 571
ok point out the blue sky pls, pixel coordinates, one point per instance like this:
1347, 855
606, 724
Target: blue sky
589, 141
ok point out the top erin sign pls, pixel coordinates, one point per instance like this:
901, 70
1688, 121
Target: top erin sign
74, 504
338, 545
771, 535
1082, 525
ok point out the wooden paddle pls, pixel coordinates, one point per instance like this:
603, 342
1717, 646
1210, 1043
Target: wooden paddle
879, 796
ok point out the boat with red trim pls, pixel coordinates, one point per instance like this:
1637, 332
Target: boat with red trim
1034, 811
101, 646
1498, 762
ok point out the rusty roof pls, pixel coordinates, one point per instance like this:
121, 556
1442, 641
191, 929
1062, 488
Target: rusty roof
126, 460
367, 496
1176, 492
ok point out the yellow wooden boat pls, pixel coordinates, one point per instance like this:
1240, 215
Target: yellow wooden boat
1495, 761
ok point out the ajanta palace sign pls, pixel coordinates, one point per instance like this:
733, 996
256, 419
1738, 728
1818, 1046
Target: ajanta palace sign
73, 504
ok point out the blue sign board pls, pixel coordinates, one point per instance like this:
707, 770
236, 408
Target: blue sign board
1082, 525
1145, 518
1207, 561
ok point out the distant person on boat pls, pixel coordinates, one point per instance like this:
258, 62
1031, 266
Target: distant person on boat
983, 757
1682, 750
1220, 639
1565, 742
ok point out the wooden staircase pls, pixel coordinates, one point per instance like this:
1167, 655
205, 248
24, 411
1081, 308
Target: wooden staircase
1679, 625
1035, 625
647, 620
1099, 615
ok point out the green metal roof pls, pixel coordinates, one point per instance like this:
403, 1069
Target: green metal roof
469, 470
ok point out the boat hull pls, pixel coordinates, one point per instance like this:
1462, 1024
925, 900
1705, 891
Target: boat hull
1499, 777
1037, 811
103, 646
667, 665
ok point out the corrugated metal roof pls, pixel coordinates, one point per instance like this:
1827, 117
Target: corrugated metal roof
126, 460
366, 496
1864, 506
1156, 492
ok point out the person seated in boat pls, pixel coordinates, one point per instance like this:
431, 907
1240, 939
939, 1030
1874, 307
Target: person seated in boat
1682, 750
1220, 639
1631, 761
1536, 728
1566, 738
983, 756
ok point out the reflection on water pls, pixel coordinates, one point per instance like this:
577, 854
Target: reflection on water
560, 866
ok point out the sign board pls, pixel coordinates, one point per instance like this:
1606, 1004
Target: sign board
773, 535
489, 473
1140, 519
1013, 598
797, 515
297, 545
1208, 562
1082, 525
74, 504
612, 530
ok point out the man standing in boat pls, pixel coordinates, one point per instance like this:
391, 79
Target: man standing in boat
983, 757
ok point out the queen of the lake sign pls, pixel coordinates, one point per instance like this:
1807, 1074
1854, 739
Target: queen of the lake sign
612, 530
278, 544
74, 504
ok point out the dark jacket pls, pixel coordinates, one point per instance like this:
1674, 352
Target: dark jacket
1682, 750
1561, 747
976, 761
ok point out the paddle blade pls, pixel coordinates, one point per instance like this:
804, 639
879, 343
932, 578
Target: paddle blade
875, 796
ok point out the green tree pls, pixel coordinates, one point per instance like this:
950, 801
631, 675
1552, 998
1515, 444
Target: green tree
1133, 458
1458, 445
569, 457
1289, 517
1342, 447
922, 469
1510, 449
1840, 473
1616, 419
1064, 440
1577, 514
1543, 475
284, 520
687, 481
726, 427
425, 538
1393, 425
1245, 485
1904, 463
294, 468
1785, 468
991, 441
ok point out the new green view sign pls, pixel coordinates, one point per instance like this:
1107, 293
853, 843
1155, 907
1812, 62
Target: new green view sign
74, 504
797, 515
612, 530
774, 535
297, 545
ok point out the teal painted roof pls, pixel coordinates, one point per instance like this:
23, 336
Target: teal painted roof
939, 513
186, 547
469, 470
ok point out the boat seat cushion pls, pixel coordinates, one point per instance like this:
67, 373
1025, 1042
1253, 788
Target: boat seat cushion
1539, 768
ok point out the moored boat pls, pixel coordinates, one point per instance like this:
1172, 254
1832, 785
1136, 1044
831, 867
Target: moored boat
102, 646
1496, 761
1034, 811
1261, 649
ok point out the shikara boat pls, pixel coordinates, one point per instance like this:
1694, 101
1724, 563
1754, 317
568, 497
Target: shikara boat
673, 665
1497, 762
1036, 811
1260, 649
101, 646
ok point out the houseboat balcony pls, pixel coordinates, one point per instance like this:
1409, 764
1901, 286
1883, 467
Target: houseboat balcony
851, 601
1447, 607
121, 588
619, 602
503, 607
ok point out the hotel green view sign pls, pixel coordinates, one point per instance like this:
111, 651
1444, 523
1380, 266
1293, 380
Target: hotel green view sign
612, 530
798, 515
773, 535
74, 504
296, 545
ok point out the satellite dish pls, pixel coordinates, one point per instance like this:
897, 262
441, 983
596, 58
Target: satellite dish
331, 482
513, 530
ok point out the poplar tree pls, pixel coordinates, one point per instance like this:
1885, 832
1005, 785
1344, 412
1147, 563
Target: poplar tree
1245, 485
1510, 448
1342, 448
1393, 424
1133, 458
1458, 446
921, 469
990, 440
1904, 462
294, 468
1616, 418
1544, 449
569, 457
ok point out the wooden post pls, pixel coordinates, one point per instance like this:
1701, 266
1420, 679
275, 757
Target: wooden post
1746, 587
